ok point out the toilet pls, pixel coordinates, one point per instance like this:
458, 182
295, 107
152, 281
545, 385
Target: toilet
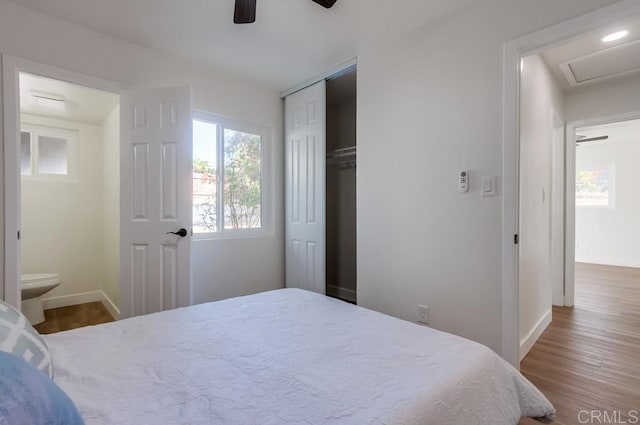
33, 287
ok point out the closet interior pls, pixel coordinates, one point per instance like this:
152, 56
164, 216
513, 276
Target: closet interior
340, 202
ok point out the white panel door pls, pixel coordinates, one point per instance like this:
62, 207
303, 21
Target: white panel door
156, 172
305, 188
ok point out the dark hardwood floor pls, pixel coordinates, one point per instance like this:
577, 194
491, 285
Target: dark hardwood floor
76, 316
589, 357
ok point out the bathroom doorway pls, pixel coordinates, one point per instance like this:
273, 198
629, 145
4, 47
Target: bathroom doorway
69, 198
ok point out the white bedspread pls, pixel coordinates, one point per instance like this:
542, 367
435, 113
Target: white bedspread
285, 357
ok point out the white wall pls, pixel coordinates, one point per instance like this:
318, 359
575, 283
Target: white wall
610, 235
603, 99
62, 222
430, 105
221, 268
540, 95
111, 205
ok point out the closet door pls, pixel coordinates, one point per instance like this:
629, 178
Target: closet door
305, 188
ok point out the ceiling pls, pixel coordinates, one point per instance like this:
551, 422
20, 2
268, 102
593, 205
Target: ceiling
81, 104
291, 41
589, 60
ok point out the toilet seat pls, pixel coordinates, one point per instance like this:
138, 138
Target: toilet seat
39, 279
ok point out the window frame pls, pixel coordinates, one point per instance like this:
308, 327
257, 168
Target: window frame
71, 136
266, 186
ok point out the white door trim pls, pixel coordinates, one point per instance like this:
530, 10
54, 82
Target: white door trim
514, 51
570, 190
558, 214
11, 68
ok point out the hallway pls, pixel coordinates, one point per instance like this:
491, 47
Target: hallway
589, 357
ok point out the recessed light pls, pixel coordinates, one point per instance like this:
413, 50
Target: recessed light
615, 36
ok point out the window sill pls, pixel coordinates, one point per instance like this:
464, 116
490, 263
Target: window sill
238, 234
47, 179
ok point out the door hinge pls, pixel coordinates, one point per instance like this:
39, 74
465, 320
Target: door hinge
516, 239
18, 234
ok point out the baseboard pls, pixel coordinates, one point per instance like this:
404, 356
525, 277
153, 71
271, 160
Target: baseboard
342, 293
526, 343
73, 299
608, 262
113, 310
82, 298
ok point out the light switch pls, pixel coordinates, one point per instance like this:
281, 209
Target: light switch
488, 186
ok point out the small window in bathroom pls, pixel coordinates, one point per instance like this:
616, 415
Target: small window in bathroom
25, 153
46, 152
52, 155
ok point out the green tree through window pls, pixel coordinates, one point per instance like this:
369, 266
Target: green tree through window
228, 198
242, 194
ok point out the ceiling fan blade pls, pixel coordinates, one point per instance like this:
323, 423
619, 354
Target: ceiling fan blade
326, 3
245, 12
592, 139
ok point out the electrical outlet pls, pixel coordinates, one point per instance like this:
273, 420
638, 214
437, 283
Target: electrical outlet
423, 314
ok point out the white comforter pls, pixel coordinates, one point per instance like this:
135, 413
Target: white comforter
285, 357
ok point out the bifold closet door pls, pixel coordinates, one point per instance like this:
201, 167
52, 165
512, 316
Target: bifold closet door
305, 170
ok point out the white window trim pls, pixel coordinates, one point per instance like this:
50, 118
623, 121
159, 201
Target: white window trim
266, 183
70, 135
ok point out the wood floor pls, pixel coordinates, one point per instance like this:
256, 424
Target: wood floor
589, 357
77, 316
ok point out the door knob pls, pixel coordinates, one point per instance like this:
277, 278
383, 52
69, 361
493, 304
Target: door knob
182, 233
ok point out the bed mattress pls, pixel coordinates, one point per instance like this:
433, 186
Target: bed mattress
285, 357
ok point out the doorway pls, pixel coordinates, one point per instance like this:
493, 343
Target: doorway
46, 152
69, 202
567, 198
69, 196
553, 198
606, 207
155, 172
605, 19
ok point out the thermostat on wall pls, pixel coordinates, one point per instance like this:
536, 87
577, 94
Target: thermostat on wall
463, 181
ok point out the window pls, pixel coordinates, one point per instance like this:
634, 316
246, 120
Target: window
228, 177
594, 187
25, 153
205, 177
45, 152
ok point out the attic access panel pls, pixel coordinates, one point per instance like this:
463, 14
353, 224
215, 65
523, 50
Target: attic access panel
604, 64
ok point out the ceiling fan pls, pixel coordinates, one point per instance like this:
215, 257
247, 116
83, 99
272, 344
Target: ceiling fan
584, 139
245, 12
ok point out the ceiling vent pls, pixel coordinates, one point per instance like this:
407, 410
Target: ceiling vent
47, 100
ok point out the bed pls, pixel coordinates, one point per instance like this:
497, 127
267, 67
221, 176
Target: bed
285, 357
